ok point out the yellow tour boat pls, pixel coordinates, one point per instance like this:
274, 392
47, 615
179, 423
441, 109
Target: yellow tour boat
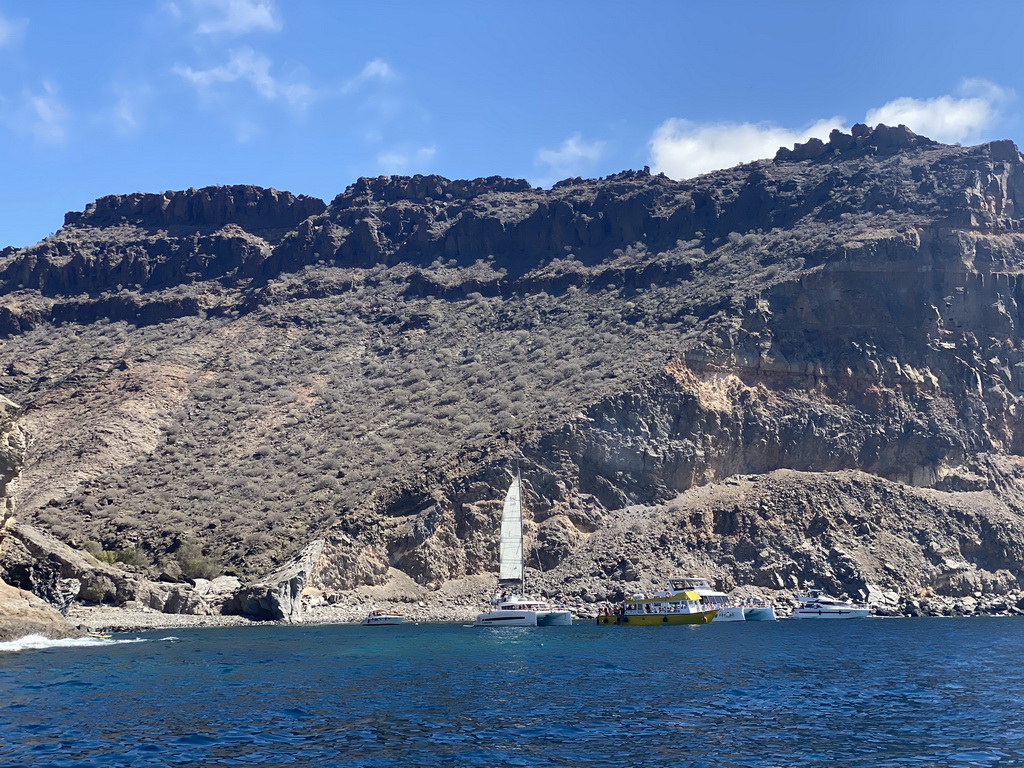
662, 608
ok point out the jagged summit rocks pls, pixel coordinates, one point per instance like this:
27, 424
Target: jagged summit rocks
153, 242
880, 139
252, 208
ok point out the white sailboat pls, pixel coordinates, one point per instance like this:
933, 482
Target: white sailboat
510, 607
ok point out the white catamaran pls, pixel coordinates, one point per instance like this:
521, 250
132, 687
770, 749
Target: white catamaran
510, 607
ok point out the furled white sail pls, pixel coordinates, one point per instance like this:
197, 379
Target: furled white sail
511, 563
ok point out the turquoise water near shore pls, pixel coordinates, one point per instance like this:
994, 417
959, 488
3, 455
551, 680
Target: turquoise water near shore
901, 692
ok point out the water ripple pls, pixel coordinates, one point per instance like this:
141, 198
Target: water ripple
872, 693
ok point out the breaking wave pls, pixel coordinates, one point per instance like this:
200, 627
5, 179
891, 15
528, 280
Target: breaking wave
39, 642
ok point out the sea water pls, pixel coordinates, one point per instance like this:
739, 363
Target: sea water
871, 692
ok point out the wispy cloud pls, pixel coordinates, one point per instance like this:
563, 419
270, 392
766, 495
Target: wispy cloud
575, 157
247, 66
236, 17
10, 30
682, 148
378, 69
126, 114
42, 115
406, 161
964, 117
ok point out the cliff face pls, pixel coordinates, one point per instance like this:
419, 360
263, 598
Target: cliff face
12, 455
21, 612
809, 367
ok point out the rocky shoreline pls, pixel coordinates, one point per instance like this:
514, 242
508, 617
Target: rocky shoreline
111, 619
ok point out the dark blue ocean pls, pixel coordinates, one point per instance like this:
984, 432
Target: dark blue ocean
874, 692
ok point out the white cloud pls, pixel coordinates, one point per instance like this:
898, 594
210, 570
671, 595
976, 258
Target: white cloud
949, 119
378, 69
404, 162
42, 115
236, 17
246, 131
6, 32
9, 30
246, 65
130, 103
682, 149
575, 157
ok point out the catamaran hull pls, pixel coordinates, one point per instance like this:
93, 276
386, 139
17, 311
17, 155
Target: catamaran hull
506, 619
554, 619
524, 619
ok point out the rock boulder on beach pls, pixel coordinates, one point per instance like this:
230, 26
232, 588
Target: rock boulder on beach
22, 613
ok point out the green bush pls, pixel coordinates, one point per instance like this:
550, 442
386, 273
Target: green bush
96, 549
131, 556
97, 590
194, 564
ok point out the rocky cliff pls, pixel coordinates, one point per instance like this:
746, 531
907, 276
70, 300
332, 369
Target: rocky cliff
21, 612
805, 368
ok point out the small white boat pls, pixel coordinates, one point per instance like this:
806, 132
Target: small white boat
382, 617
517, 609
817, 605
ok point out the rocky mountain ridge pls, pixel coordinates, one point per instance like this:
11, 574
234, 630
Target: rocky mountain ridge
333, 393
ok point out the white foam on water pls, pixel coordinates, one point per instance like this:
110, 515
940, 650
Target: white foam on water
39, 642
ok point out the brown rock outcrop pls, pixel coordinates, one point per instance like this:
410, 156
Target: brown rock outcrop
23, 614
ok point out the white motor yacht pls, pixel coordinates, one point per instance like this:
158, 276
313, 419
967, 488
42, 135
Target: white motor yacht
817, 605
379, 617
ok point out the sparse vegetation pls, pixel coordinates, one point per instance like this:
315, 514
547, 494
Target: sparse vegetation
193, 563
251, 410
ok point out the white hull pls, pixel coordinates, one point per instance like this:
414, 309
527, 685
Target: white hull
830, 612
506, 619
524, 619
729, 613
554, 618
817, 605
759, 613
372, 621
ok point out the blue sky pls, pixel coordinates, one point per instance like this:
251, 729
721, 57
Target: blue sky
120, 96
